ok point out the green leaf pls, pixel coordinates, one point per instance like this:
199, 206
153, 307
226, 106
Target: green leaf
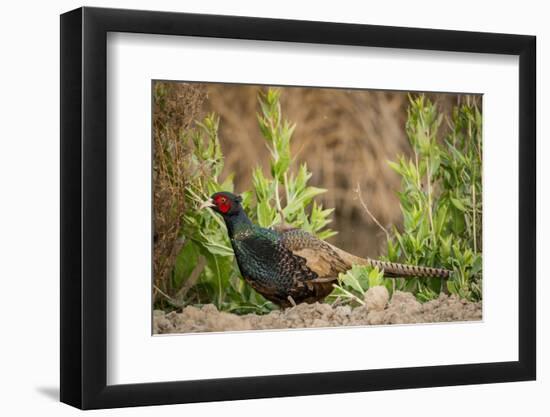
375, 277
458, 204
350, 279
218, 249
396, 167
325, 234
185, 263
227, 185
266, 214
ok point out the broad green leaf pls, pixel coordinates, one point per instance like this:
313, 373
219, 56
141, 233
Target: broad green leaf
458, 204
266, 214
218, 249
185, 263
350, 278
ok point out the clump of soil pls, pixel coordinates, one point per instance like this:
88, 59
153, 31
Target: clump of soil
378, 310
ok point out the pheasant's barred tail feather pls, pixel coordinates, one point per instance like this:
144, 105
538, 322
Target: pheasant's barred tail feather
391, 269
401, 270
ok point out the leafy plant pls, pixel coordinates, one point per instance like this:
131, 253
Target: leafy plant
296, 206
441, 202
353, 285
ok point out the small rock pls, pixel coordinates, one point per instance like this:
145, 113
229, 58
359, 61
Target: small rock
376, 318
209, 309
401, 297
320, 323
162, 325
376, 298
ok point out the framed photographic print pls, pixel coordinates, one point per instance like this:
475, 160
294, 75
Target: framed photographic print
257, 207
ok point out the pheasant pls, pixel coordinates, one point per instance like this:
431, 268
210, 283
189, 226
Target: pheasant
289, 265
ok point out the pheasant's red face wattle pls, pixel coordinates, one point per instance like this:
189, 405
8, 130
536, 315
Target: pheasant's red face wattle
223, 203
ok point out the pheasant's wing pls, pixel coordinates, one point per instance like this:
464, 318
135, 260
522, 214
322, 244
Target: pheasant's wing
325, 260
270, 267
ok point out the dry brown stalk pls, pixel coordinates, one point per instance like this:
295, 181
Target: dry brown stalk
176, 107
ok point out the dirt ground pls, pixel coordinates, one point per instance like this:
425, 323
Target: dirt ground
378, 310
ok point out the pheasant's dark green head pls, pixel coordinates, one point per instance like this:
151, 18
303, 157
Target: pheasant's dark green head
225, 203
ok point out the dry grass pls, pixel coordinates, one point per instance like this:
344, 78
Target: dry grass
176, 108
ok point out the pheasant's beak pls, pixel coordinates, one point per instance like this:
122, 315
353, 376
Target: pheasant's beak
207, 203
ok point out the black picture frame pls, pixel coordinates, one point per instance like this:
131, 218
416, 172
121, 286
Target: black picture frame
84, 207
